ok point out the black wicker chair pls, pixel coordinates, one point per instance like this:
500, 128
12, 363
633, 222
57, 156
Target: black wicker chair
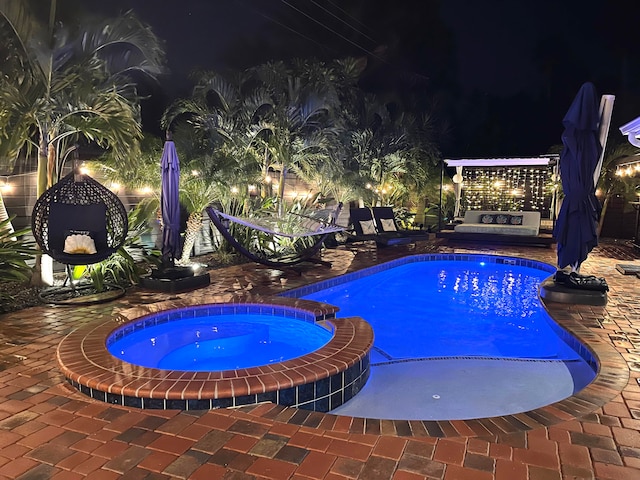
78, 203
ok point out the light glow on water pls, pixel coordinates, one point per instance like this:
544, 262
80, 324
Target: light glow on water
444, 309
220, 342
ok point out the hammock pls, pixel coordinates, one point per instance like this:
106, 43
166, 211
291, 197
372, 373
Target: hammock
310, 226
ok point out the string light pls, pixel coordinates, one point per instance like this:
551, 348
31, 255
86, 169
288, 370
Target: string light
628, 168
5, 186
508, 188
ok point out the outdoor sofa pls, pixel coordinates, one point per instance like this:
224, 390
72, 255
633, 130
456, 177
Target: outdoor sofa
489, 226
502, 223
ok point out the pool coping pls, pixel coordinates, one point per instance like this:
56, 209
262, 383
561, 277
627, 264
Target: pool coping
85, 361
612, 374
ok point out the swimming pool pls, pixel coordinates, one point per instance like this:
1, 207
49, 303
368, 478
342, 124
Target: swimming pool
465, 309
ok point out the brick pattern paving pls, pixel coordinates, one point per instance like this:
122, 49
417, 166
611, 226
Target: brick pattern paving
49, 430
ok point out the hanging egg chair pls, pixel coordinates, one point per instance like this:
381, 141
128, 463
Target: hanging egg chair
78, 221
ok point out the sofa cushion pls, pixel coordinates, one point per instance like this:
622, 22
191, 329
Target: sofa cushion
503, 219
368, 228
515, 219
388, 225
496, 229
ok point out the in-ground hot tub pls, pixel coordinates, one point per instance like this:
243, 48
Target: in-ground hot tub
320, 380
210, 343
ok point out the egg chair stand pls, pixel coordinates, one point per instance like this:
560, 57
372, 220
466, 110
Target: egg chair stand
79, 208
321, 231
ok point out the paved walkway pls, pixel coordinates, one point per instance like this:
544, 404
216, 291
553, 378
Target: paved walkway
48, 430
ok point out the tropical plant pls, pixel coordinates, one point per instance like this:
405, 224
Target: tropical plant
611, 184
196, 195
213, 129
15, 252
296, 120
125, 267
63, 85
242, 127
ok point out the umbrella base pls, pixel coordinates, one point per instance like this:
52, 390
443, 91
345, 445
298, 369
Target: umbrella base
555, 292
175, 285
172, 273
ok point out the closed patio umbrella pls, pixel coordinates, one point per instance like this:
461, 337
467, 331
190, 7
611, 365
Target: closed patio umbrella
170, 203
576, 227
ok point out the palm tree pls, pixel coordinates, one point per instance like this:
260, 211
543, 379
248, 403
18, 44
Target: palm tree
196, 194
63, 86
214, 128
611, 184
379, 146
296, 119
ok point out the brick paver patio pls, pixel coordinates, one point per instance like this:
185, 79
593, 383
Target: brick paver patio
49, 430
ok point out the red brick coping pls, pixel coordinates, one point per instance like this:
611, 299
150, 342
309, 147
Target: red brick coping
321, 380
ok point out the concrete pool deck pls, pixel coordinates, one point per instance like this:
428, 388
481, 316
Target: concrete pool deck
49, 430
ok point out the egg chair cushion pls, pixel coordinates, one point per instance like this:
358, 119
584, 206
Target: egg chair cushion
66, 220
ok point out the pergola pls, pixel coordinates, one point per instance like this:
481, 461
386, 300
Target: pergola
515, 181
630, 165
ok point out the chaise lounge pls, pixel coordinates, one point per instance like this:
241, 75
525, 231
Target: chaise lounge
379, 224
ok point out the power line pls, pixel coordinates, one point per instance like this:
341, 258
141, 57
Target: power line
343, 21
336, 33
372, 54
292, 30
348, 14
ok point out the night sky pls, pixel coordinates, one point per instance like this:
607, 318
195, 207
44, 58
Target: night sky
503, 71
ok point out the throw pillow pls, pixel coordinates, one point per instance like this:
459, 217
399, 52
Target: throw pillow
79, 243
515, 219
368, 228
388, 225
488, 218
502, 219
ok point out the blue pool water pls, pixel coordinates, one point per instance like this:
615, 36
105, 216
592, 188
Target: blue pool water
456, 337
452, 308
220, 342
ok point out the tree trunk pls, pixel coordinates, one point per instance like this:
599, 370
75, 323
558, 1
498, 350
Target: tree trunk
283, 177
605, 204
4, 215
43, 164
52, 175
265, 172
194, 224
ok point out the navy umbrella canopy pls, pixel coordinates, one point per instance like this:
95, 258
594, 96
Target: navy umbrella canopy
170, 202
576, 227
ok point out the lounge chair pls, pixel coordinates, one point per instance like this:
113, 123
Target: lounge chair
363, 226
384, 233
386, 223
